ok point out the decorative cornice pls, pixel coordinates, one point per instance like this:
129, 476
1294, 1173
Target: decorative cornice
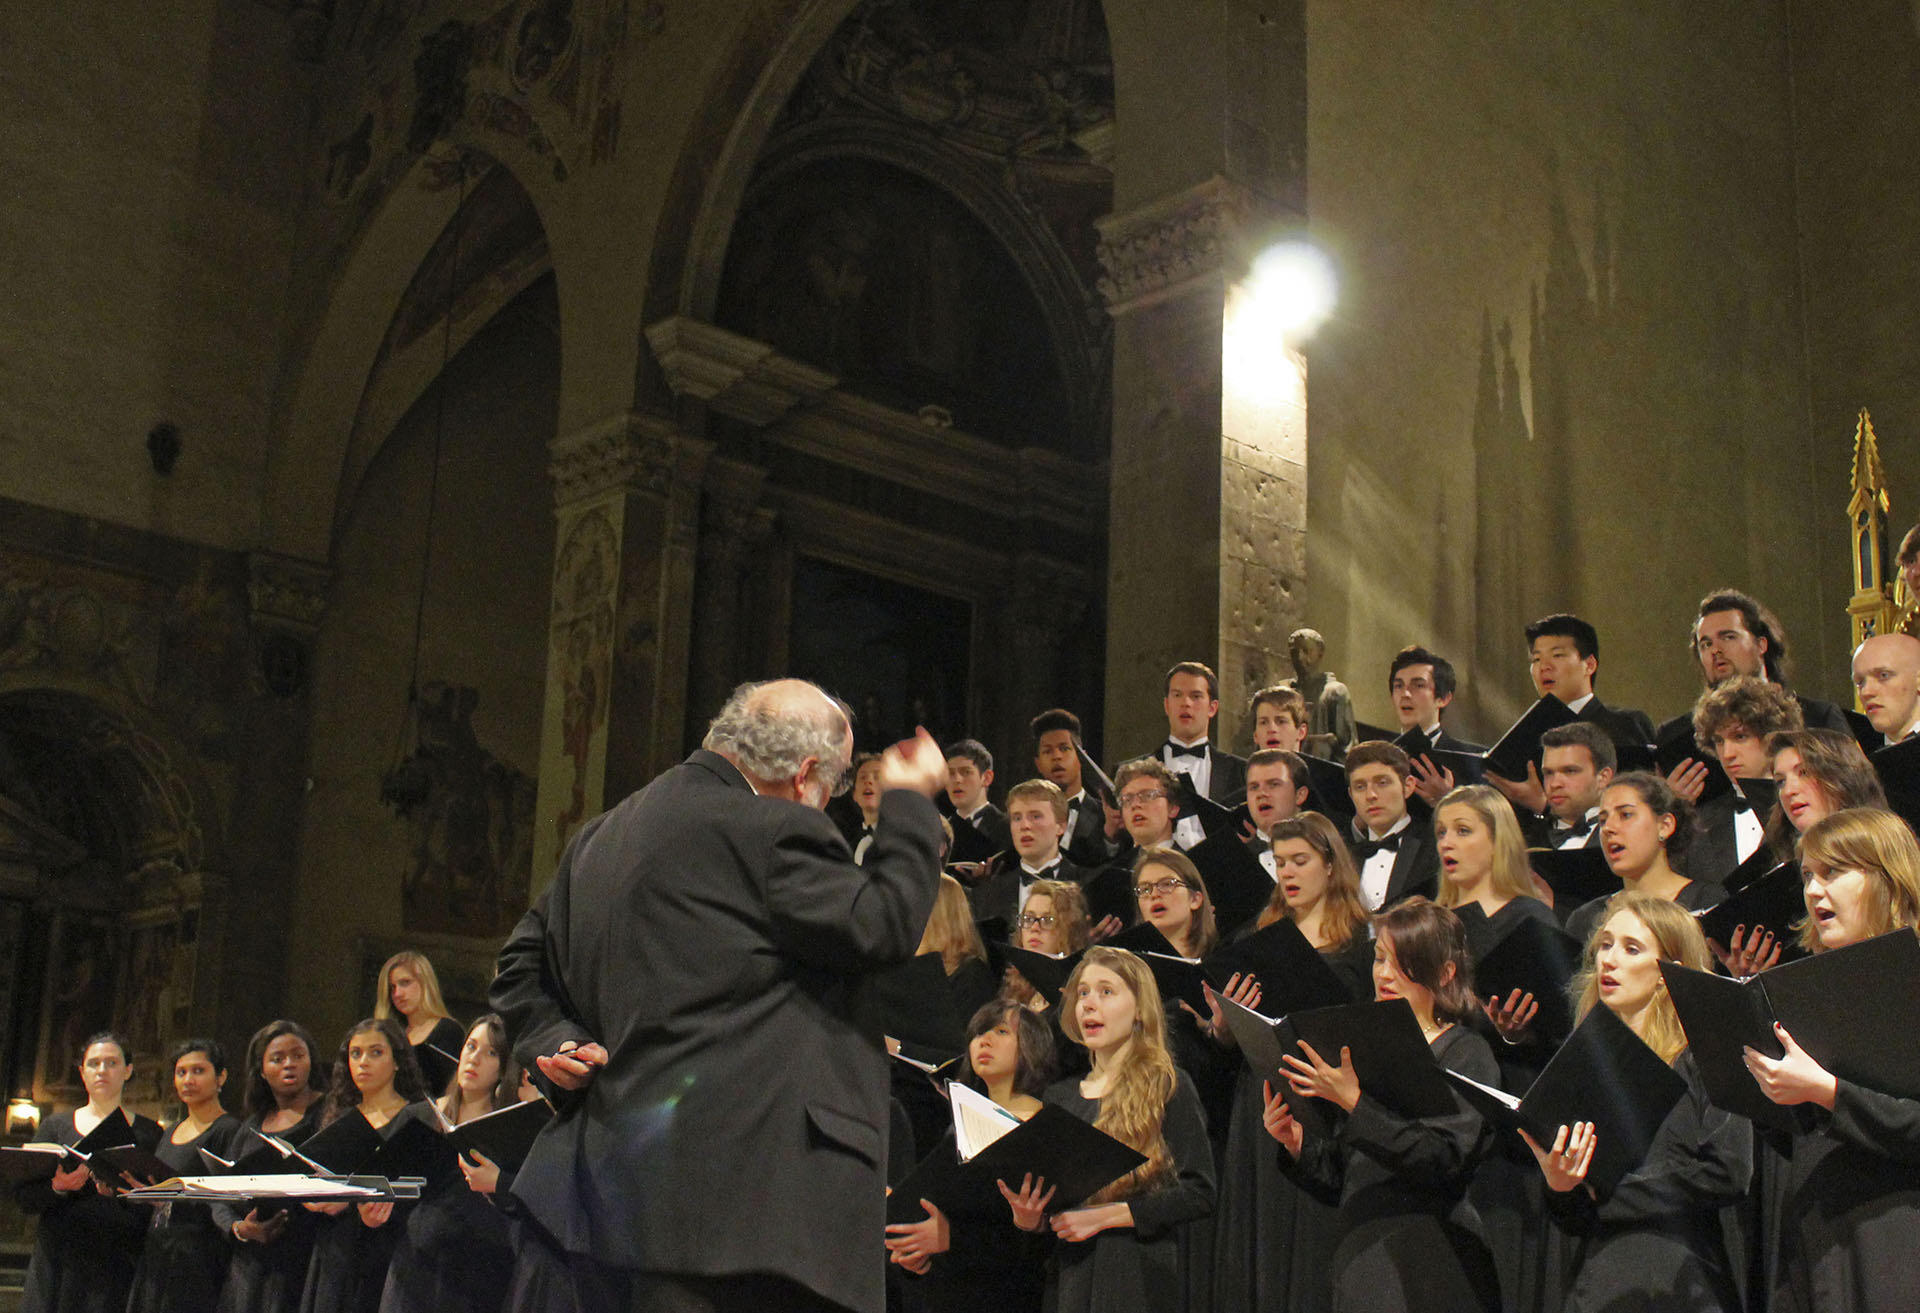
1171, 244
631, 452
287, 592
735, 375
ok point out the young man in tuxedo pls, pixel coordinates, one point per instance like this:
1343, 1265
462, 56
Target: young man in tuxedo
1036, 822
1397, 859
1093, 829
1736, 717
866, 795
1272, 797
1279, 719
1149, 804
1563, 657
1577, 763
969, 773
1422, 684
1192, 699
1886, 675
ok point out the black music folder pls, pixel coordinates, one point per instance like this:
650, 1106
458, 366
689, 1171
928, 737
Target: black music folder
1293, 974
1045, 973
1519, 747
912, 1002
39, 1160
1774, 903
1467, 767
1604, 1074
1327, 791
1537, 959
1855, 1010
1898, 767
1391, 1057
1236, 882
1679, 747
1110, 893
115, 1165
504, 1136
1577, 876
969, 844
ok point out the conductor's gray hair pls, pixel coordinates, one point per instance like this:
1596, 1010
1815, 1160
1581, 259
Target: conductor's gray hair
770, 737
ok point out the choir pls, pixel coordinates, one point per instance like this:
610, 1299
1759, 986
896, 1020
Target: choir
1462, 922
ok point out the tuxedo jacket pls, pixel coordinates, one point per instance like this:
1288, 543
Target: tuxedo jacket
713, 940
1228, 783
1714, 851
1622, 724
1815, 713
999, 894
1087, 845
1416, 866
992, 824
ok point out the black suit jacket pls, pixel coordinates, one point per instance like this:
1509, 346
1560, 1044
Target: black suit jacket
1227, 785
1086, 844
993, 826
1622, 724
1416, 866
712, 939
1714, 851
999, 894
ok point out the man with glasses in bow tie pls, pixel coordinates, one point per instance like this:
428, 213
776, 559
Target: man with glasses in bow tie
1397, 858
1191, 701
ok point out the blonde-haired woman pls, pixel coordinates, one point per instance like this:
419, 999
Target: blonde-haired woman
1121, 1249
409, 989
1850, 1216
1655, 1241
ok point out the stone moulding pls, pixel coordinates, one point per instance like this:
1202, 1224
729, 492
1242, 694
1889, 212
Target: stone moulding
1171, 244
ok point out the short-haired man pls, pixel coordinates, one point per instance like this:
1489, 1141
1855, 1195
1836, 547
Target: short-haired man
1563, 657
1191, 700
1735, 718
1149, 803
1036, 822
969, 774
1422, 684
1397, 859
1735, 634
1886, 675
1273, 795
1093, 829
1279, 719
1577, 763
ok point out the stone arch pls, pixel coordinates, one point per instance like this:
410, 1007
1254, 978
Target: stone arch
307, 473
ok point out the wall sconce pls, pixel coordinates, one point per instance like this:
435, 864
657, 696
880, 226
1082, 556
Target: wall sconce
23, 1118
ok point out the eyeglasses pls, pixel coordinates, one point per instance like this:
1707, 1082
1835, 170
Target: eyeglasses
1143, 795
1028, 920
1165, 886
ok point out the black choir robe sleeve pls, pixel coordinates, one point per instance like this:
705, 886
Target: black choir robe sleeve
1438, 1153
1190, 1193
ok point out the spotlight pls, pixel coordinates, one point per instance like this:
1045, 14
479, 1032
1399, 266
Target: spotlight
1292, 288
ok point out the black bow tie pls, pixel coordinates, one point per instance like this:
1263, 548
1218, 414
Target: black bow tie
1368, 847
1185, 750
1028, 877
1741, 802
1561, 833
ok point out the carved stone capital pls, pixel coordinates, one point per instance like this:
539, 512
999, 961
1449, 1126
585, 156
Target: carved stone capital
736, 375
1170, 244
631, 453
286, 592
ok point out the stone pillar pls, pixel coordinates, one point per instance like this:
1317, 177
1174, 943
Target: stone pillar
734, 532
1207, 516
627, 501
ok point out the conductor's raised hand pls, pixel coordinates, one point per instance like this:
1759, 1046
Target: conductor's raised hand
916, 763
573, 1066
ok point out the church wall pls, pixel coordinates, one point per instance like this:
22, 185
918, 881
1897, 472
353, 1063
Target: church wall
483, 628
1609, 191
146, 222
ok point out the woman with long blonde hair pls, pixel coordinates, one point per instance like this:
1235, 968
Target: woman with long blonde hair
950, 929
409, 989
1121, 1249
1850, 1212
1655, 1241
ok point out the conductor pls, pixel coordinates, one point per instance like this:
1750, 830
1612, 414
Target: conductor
684, 986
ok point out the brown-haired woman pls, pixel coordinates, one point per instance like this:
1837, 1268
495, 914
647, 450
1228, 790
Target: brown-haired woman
375, 1077
184, 1263
409, 988
1408, 1237
1850, 1221
1271, 1238
1057, 925
1644, 831
1121, 1249
1655, 1242
273, 1246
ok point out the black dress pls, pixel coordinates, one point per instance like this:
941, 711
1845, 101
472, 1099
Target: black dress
542, 1277
87, 1244
1655, 1243
432, 1053
1850, 1221
349, 1267
454, 1254
268, 1278
1694, 895
184, 1264
1142, 1268
1271, 1237
1508, 1191
1409, 1240
990, 1266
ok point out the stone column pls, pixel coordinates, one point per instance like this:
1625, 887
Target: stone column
627, 501
1208, 499
734, 532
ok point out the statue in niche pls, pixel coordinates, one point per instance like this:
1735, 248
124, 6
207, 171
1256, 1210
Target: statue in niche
1329, 704
470, 823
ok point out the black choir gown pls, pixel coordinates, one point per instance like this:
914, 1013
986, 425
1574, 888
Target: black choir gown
1656, 1242
1408, 1239
432, 1053
1508, 1191
1271, 1238
268, 1278
1694, 895
86, 1244
1142, 1268
348, 1272
454, 1254
1850, 1220
991, 1265
542, 1278
184, 1263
